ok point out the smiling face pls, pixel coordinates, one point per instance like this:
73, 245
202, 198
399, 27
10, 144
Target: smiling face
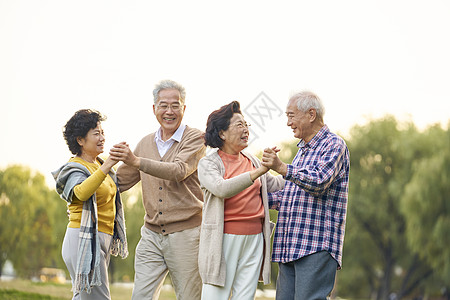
300, 122
93, 143
169, 111
236, 136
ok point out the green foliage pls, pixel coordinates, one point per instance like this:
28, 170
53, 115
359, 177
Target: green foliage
29, 225
377, 258
426, 202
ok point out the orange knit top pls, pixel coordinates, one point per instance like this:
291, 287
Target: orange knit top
244, 212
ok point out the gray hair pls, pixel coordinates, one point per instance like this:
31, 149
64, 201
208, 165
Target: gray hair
168, 84
307, 100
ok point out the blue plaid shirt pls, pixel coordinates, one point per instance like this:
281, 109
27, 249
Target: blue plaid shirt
312, 207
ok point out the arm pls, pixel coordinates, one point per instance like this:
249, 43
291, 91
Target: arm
316, 178
184, 164
256, 173
211, 178
88, 187
274, 183
127, 177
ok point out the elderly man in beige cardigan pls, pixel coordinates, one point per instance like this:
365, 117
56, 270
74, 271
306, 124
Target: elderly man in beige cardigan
235, 237
166, 163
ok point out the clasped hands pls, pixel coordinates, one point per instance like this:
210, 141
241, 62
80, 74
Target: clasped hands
122, 152
271, 160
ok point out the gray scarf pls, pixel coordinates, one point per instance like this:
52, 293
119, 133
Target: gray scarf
88, 257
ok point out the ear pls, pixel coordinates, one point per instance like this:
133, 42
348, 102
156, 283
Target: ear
221, 135
154, 109
312, 114
80, 141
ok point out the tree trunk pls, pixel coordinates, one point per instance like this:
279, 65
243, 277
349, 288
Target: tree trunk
385, 287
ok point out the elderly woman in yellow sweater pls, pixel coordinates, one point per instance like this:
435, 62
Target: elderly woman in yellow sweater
96, 226
235, 234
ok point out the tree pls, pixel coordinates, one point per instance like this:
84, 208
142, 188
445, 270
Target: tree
29, 233
377, 255
426, 202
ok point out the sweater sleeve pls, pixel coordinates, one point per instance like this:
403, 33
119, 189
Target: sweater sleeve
185, 162
87, 188
127, 177
274, 183
211, 179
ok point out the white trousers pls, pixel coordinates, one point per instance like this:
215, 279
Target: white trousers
69, 254
243, 257
158, 254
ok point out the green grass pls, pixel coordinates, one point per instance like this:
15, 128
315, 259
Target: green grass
20, 289
18, 295
25, 289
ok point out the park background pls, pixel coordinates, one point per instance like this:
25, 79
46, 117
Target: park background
381, 68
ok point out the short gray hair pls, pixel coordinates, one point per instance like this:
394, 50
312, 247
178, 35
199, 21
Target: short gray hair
168, 84
307, 100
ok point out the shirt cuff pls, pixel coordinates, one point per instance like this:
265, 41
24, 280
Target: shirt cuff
289, 172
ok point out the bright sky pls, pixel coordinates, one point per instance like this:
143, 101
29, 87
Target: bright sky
363, 58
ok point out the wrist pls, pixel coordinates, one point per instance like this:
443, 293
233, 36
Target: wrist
137, 162
282, 169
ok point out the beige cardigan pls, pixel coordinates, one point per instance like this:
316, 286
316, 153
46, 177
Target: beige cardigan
171, 191
215, 189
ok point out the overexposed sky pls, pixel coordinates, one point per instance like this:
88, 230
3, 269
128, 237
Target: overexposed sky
363, 58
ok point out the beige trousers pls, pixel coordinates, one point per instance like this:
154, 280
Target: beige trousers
158, 254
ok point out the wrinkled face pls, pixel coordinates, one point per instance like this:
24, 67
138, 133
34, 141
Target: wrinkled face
169, 111
300, 122
92, 144
236, 136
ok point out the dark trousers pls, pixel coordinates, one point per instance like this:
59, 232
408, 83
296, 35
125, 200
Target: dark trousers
308, 278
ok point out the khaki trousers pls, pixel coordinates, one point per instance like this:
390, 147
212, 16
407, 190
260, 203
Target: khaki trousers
158, 254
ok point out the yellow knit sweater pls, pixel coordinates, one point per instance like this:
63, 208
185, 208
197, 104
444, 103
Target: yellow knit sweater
105, 190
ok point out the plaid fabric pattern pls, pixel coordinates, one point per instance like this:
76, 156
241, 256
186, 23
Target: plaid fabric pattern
313, 204
88, 259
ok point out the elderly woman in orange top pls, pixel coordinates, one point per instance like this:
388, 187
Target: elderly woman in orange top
235, 234
96, 226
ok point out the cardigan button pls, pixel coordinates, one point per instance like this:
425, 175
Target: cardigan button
160, 187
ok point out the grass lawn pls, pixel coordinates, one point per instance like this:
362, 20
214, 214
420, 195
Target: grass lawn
16, 295
19, 289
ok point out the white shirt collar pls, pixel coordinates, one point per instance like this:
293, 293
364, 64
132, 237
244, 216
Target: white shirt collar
178, 134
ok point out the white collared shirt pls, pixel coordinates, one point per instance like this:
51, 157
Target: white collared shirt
163, 146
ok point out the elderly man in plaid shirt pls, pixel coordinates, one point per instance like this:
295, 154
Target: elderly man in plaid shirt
312, 206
